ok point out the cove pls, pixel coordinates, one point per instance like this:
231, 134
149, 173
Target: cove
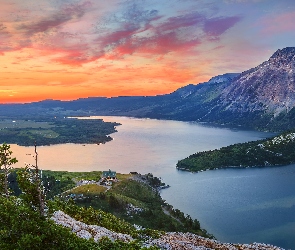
236, 205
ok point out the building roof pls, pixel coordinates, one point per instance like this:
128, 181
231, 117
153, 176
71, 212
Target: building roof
109, 173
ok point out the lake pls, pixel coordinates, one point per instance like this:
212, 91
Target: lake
235, 205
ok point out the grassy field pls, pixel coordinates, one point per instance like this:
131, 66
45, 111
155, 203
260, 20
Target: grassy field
88, 189
122, 177
46, 133
7, 123
78, 176
75, 176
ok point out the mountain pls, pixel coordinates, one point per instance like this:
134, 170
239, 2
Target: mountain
268, 91
260, 98
186, 103
269, 87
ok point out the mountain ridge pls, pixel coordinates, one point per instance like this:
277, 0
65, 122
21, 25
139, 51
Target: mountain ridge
254, 87
260, 98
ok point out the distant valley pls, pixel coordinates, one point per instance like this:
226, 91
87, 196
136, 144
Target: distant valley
260, 98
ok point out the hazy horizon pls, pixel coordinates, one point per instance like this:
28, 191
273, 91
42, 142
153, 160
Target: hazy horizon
70, 49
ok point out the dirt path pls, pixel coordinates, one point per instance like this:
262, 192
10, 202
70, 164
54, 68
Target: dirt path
165, 210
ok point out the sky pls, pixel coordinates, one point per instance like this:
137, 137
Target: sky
70, 49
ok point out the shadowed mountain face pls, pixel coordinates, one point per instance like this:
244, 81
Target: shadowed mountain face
269, 87
266, 92
262, 98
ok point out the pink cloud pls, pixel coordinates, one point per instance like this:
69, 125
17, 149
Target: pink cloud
281, 23
167, 42
154, 35
191, 19
159, 38
2, 27
69, 12
40, 32
127, 30
158, 44
217, 26
4, 39
116, 37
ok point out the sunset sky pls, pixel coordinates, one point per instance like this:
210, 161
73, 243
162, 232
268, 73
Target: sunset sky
67, 49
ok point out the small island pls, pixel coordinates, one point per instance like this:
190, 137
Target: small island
275, 151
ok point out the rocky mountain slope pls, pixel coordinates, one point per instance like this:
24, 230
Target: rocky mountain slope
267, 90
269, 87
261, 98
170, 240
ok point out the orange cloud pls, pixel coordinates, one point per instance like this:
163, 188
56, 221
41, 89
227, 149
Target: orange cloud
70, 49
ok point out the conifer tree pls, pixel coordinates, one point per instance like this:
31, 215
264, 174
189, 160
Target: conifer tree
29, 181
6, 162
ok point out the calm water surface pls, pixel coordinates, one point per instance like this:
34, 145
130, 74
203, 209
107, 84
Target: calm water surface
236, 205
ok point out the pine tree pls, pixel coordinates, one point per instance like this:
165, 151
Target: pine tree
29, 181
6, 162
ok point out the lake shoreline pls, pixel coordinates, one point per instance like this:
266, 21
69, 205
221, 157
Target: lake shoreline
155, 146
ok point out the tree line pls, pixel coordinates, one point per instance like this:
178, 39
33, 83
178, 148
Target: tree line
25, 219
278, 150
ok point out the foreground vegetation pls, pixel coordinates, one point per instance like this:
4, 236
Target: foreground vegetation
278, 150
137, 203
134, 201
28, 199
47, 131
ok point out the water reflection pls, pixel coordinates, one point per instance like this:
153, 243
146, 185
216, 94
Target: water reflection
243, 205
143, 145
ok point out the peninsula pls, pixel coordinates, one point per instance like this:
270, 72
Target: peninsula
56, 130
275, 151
84, 213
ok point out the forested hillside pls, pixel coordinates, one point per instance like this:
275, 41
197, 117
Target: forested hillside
279, 150
31, 202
